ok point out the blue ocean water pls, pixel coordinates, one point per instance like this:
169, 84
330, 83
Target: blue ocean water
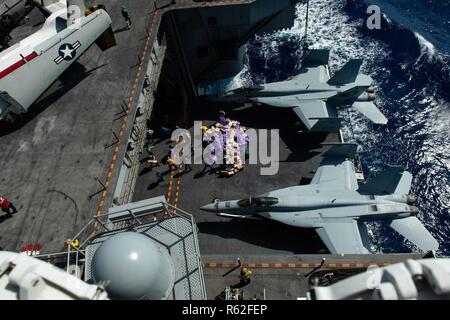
409, 59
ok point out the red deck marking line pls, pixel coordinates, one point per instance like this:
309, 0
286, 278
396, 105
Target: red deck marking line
332, 265
17, 65
285, 265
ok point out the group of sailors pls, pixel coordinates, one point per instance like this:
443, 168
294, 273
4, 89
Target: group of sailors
230, 137
230, 142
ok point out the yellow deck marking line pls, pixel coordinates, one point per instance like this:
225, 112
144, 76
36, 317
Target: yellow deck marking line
169, 193
177, 193
123, 125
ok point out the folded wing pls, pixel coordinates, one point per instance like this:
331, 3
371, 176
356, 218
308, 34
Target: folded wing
413, 230
393, 180
318, 116
344, 237
315, 66
336, 173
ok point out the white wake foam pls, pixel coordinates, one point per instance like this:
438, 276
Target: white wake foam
426, 47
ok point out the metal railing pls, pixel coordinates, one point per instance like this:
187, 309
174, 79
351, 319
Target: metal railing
102, 223
140, 125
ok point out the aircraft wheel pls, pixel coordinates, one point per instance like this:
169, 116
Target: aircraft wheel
6, 21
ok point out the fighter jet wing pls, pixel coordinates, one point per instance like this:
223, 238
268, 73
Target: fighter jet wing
336, 173
413, 230
317, 115
370, 111
315, 66
313, 74
342, 237
392, 180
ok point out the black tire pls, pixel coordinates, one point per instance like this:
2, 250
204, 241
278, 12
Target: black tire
6, 21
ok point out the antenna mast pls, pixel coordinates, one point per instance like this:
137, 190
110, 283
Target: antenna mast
306, 20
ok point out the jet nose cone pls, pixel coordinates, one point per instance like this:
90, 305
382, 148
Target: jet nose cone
212, 207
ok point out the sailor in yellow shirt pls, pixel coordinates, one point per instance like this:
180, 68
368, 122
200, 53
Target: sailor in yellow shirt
74, 243
245, 276
171, 164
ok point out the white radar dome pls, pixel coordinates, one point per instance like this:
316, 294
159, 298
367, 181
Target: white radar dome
135, 266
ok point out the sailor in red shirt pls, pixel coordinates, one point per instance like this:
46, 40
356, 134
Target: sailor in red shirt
7, 206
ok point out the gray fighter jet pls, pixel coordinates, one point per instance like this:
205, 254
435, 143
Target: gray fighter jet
314, 96
337, 207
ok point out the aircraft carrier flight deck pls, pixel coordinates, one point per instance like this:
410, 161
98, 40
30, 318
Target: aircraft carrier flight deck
80, 150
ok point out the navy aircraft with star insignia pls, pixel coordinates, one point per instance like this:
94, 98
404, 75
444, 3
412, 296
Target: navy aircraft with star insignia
67, 52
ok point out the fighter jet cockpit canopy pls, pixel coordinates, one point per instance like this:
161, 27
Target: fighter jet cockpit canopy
258, 202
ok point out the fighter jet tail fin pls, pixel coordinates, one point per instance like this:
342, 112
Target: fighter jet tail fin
371, 111
413, 230
393, 180
316, 57
347, 74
